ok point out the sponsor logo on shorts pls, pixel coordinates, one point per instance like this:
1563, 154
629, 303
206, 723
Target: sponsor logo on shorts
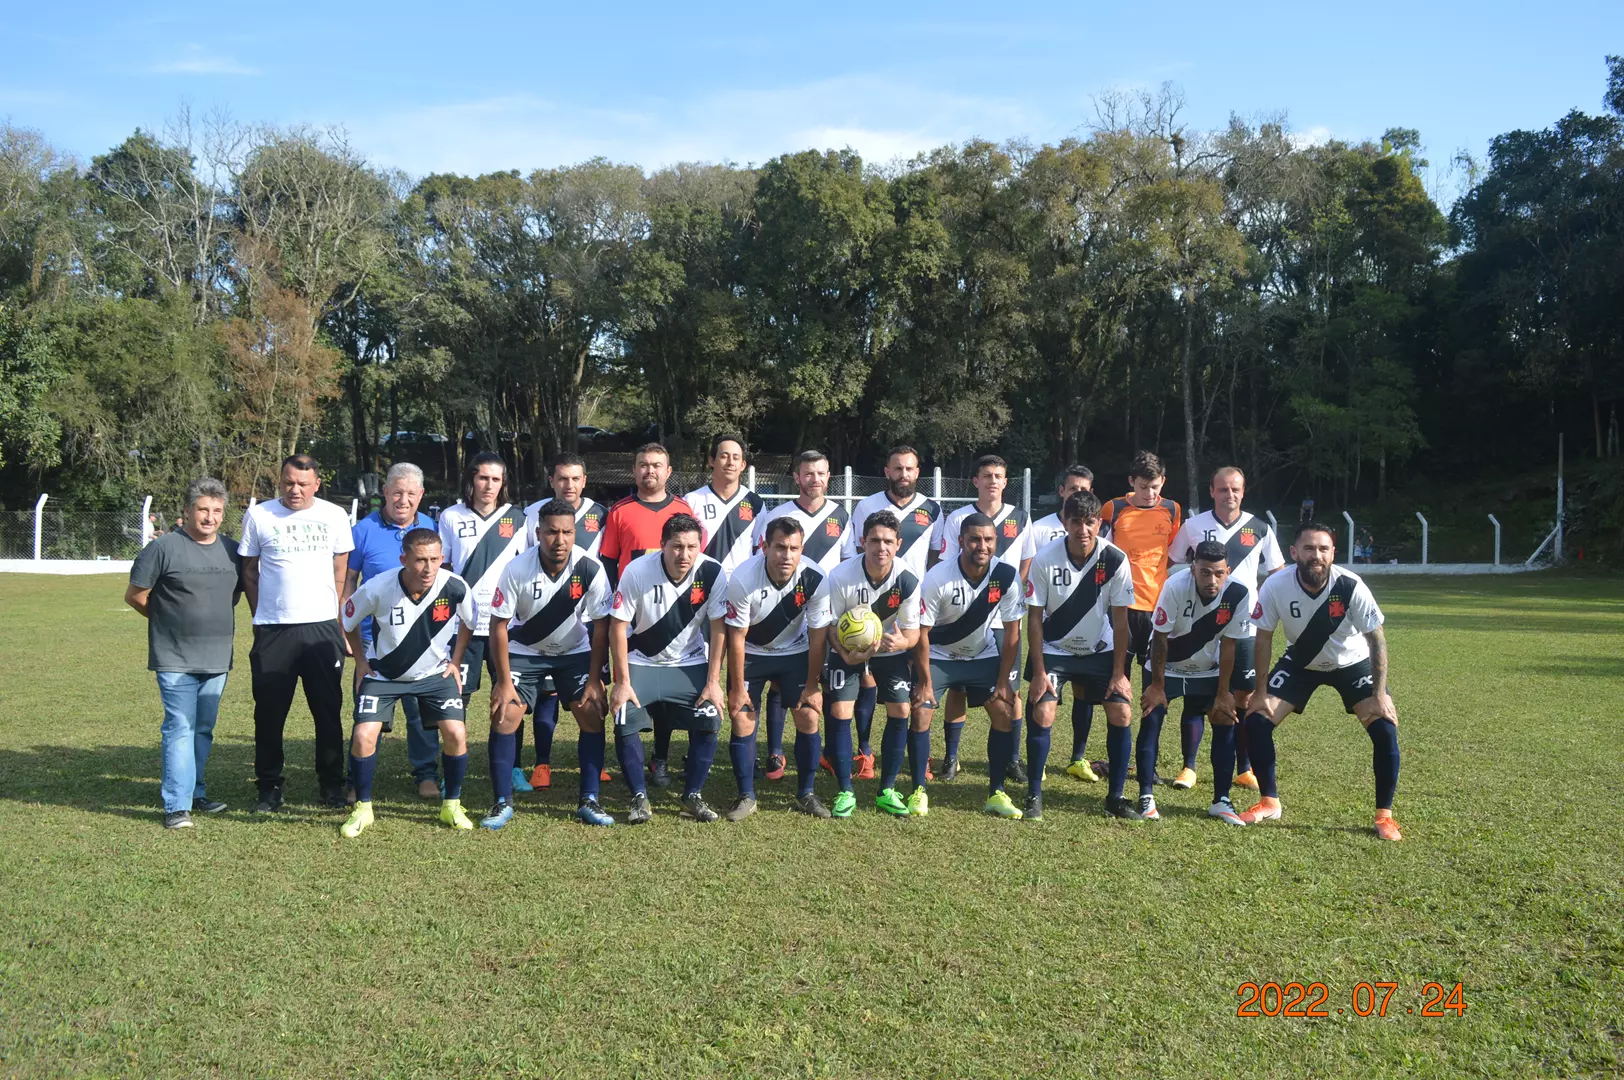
1363, 681
899, 686
450, 704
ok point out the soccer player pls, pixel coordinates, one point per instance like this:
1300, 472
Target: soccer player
665, 647
1010, 527
294, 552
970, 630
916, 518
549, 621
377, 539
768, 599
1334, 638
480, 535
727, 510
1078, 592
880, 581
568, 480
1142, 524
1253, 554
826, 534
416, 612
1202, 616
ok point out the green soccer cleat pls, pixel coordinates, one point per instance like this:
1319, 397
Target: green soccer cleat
918, 803
1001, 805
451, 813
358, 821
1082, 770
889, 802
845, 803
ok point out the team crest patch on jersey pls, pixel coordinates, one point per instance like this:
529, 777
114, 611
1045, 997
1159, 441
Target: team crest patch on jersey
1337, 607
441, 611
800, 594
1010, 529
1099, 574
1248, 537
497, 597
504, 528
590, 523
995, 593
1029, 589
1161, 616
893, 599
1223, 616
746, 512
732, 611
349, 608
831, 527
696, 595
619, 600
1257, 610
577, 590
921, 517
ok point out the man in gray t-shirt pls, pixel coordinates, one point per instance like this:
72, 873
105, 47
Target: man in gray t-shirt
186, 583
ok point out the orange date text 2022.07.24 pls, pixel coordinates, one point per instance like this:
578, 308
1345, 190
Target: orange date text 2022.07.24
1294, 999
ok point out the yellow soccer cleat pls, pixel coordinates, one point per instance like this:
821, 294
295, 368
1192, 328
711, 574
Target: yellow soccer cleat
451, 813
358, 821
1001, 805
1082, 770
918, 803
1185, 780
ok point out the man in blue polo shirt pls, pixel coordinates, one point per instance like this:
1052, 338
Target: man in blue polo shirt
377, 551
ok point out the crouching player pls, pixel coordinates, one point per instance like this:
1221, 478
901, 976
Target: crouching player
1201, 615
415, 613
970, 633
768, 599
1333, 638
548, 620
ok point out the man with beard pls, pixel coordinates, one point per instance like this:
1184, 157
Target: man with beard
1334, 638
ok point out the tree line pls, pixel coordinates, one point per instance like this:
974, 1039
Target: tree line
213, 297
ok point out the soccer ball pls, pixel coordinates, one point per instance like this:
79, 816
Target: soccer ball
858, 630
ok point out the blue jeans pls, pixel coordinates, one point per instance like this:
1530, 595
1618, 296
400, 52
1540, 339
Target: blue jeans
191, 706
422, 744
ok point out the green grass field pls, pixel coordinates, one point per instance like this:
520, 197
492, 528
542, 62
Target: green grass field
955, 946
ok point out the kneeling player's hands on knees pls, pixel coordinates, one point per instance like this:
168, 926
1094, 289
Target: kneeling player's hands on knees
738, 701
1152, 696
921, 697
1042, 683
454, 673
811, 698
621, 696
1120, 684
713, 694
1223, 709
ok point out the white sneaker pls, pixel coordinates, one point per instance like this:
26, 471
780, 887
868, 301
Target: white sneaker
1147, 808
1224, 811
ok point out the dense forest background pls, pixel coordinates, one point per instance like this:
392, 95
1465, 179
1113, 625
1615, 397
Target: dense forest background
209, 298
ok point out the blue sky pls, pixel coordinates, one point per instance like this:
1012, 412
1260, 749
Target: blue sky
473, 88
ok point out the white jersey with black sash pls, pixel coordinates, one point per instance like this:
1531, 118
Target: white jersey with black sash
547, 615
916, 524
825, 532
1009, 528
477, 548
1076, 598
894, 598
667, 619
1324, 630
589, 520
727, 523
1254, 551
1041, 533
774, 617
962, 616
411, 638
1195, 628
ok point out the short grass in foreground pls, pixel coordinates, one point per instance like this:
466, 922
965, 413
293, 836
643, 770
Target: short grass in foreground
955, 946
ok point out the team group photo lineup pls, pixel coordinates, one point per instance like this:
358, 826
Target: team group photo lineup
724, 616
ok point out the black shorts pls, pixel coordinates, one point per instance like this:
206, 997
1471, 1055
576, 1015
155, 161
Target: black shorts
977, 679
1090, 677
1139, 634
788, 672
1197, 691
672, 693
536, 676
1244, 677
473, 657
1296, 685
437, 699
893, 678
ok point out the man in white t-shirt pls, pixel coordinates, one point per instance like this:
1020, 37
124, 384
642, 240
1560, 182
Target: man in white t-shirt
294, 554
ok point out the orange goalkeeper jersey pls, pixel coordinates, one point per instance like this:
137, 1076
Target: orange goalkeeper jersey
1144, 535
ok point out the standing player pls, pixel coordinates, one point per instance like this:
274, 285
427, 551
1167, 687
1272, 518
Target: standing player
916, 518
1010, 528
481, 534
727, 510
1042, 532
880, 581
826, 534
1078, 591
548, 621
1202, 616
1253, 554
416, 611
665, 646
768, 599
1333, 638
568, 479
970, 628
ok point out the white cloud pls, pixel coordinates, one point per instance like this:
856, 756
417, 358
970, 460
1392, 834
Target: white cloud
195, 60
1318, 135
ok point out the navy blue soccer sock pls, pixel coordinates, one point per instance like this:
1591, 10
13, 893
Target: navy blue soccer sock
629, 749
1000, 748
839, 751
868, 698
955, 732
918, 755
1150, 744
456, 767
1243, 756
1223, 760
545, 721
662, 739
892, 746
503, 750
808, 748
1037, 756
1015, 727
1082, 719
1118, 752
1384, 759
774, 716
1260, 740
1190, 733
362, 770
701, 753
589, 750
742, 750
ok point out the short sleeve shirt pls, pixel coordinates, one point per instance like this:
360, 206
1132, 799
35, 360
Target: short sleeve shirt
295, 549
190, 618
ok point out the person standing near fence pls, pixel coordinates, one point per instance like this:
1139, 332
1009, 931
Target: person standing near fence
377, 539
295, 552
185, 584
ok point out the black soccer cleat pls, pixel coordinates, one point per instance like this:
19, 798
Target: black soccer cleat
207, 806
742, 807
1016, 773
950, 769
641, 812
812, 806
1034, 808
270, 801
1120, 807
695, 807
660, 773
334, 799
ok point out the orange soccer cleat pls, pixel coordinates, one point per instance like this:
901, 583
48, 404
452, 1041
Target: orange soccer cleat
1247, 779
1387, 826
1267, 809
541, 777
865, 766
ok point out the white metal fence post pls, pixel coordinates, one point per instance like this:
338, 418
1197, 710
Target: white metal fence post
1496, 538
1026, 493
1423, 537
39, 526
848, 491
750, 478
146, 521
251, 501
1561, 441
355, 507
936, 480
1349, 519
1273, 524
